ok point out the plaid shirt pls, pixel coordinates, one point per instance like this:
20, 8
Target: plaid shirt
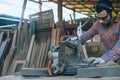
110, 37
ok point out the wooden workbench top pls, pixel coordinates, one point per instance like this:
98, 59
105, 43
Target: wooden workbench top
13, 77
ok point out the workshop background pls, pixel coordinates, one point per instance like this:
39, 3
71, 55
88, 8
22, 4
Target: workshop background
26, 39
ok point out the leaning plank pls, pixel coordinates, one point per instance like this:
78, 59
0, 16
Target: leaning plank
9, 57
58, 35
46, 52
8, 61
3, 48
26, 36
3, 52
39, 56
1, 37
29, 51
53, 39
84, 51
42, 55
33, 55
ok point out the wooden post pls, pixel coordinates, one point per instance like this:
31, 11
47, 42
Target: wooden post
22, 14
20, 23
59, 26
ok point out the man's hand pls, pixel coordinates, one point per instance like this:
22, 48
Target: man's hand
98, 60
94, 61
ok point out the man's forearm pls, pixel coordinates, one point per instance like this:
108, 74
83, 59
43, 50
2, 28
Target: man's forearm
112, 54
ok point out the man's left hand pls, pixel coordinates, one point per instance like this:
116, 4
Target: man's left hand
98, 60
94, 60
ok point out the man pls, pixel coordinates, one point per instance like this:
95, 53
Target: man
108, 26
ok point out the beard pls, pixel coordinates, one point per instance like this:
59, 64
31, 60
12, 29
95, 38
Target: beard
106, 25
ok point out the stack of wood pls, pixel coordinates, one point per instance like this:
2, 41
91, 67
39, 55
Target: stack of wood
5, 44
30, 45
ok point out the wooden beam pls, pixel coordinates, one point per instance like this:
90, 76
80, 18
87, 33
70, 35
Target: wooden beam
22, 14
20, 24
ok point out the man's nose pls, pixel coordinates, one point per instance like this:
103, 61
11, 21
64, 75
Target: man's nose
101, 21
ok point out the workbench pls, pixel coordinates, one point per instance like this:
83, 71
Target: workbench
16, 77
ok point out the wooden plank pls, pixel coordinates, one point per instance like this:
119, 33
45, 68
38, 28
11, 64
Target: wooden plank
84, 51
41, 48
3, 48
1, 37
30, 50
21, 39
53, 38
9, 58
111, 71
26, 37
39, 55
8, 34
24, 40
33, 55
42, 55
14, 77
5, 68
8, 61
3, 52
46, 52
58, 32
32, 29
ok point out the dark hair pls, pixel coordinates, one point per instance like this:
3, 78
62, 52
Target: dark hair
103, 5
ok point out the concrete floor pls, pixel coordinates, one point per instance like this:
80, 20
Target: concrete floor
13, 77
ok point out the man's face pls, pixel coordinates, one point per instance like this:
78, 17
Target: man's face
104, 18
